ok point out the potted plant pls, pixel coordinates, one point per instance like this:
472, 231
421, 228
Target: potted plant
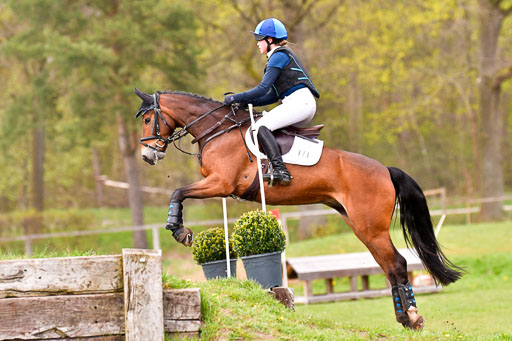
209, 251
259, 241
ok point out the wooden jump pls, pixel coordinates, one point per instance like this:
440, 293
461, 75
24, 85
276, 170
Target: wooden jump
99, 298
351, 265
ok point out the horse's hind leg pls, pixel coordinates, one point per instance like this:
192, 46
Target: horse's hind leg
394, 266
373, 230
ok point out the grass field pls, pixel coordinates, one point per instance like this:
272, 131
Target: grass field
478, 307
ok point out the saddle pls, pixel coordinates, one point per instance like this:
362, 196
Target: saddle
285, 136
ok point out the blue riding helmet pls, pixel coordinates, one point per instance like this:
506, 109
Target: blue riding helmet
270, 27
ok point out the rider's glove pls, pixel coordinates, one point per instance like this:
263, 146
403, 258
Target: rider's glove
229, 99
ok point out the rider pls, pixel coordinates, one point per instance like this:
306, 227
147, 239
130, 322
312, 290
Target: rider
285, 79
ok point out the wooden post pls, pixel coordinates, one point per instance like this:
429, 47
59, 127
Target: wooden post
284, 295
366, 282
308, 290
143, 307
353, 283
329, 285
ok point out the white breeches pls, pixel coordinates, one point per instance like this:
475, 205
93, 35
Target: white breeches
296, 109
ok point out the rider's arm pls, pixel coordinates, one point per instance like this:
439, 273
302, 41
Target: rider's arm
267, 99
261, 90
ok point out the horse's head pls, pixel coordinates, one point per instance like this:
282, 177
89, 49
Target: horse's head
157, 127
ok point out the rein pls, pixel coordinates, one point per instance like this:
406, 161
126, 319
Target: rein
177, 135
237, 124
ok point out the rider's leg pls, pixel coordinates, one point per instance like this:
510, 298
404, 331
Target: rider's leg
271, 149
296, 109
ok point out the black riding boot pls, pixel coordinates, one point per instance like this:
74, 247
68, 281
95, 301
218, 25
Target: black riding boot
271, 148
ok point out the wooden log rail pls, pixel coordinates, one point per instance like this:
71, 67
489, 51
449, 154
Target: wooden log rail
351, 265
99, 298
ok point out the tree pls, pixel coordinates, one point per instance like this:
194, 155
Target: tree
93, 53
493, 71
39, 95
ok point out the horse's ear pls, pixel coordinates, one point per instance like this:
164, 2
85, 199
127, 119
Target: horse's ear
144, 96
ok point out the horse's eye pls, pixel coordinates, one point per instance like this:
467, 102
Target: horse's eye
147, 120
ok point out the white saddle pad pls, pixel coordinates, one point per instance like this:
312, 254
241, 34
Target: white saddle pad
303, 152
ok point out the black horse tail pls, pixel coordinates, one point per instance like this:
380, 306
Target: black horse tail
418, 230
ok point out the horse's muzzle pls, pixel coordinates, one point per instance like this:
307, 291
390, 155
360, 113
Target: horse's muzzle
151, 156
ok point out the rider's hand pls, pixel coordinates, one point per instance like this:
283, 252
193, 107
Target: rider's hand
229, 99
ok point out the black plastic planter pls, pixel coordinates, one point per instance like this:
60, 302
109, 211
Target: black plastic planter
219, 268
264, 269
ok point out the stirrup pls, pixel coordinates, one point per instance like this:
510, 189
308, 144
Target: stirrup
286, 178
270, 179
274, 176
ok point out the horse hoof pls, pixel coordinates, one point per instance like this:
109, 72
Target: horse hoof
189, 238
418, 325
416, 322
184, 236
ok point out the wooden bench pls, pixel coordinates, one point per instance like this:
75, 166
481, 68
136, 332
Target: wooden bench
349, 265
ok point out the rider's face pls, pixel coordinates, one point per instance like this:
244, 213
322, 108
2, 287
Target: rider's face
262, 45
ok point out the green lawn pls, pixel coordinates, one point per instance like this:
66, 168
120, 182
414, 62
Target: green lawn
478, 305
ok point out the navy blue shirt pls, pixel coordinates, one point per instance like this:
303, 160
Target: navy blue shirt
263, 94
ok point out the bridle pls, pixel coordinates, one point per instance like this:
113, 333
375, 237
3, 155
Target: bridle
177, 135
156, 126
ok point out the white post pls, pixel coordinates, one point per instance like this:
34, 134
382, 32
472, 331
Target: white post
226, 236
156, 238
258, 161
284, 226
440, 224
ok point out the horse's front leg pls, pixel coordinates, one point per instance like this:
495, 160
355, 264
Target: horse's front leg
209, 187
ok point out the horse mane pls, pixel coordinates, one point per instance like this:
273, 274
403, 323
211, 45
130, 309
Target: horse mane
188, 94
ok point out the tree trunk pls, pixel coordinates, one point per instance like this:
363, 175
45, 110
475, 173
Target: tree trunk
132, 177
97, 173
38, 149
354, 109
490, 19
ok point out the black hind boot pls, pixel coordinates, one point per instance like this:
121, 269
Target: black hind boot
271, 148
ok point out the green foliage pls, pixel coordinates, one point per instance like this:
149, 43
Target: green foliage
398, 82
258, 232
17, 223
71, 67
209, 245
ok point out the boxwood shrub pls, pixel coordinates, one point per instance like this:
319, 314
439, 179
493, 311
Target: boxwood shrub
258, 232
209, 246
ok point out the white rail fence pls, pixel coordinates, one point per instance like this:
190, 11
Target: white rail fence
442, 212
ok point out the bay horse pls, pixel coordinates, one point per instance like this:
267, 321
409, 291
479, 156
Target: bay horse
361, 189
